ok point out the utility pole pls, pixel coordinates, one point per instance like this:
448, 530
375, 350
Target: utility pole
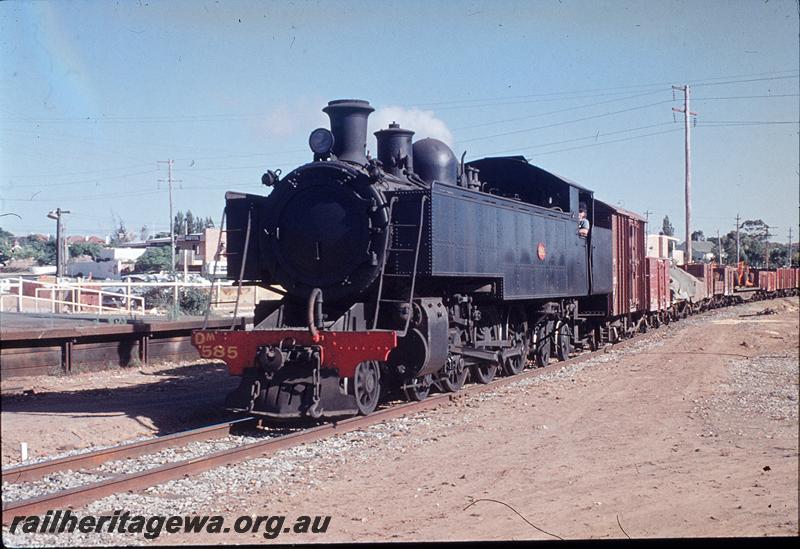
790, 247
738, 251
61, 249
170, 181
688, 165
719, 249
647, 222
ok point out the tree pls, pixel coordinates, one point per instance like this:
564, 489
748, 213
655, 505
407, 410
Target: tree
154, 260
209, 224
189, 222
753, 242
78, 249
729, 247
143, 232
43, 251
121, 235
6, 242
778, 255
6, 247
195, 224
698, 236
667, 228
179, 224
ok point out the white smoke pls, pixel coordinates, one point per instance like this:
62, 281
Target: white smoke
295, 117
422, 123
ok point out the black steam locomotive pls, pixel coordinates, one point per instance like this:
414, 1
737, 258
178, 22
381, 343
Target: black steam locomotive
404, 272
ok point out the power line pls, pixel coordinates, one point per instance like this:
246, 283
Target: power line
591, 90
544, 100
213, 117
595, 136
81, 181
587, 105
609, 142
746, 97
66, 174
85, 197
593, 117
742, 81
747, 123
605, 142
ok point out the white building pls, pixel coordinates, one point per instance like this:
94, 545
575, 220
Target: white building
113, 263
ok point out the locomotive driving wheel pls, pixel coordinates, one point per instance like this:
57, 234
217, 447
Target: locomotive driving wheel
484, 372
543, 343
517, 332
563, 341
594, 338
367, 386
418, 388
453, 375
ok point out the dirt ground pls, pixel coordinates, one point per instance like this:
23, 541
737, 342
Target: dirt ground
692, 433
57, 414
670, 442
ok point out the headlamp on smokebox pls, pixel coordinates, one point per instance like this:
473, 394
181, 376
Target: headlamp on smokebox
321, 142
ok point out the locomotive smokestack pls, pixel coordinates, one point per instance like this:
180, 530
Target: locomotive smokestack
349, 128
394, 149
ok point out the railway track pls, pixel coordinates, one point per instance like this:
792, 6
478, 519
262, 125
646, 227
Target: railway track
35, 471
81, 495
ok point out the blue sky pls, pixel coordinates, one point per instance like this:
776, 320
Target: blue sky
94, 93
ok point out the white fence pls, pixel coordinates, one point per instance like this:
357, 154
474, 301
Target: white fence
112, 297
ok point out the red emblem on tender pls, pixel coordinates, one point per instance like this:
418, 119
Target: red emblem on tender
540, 251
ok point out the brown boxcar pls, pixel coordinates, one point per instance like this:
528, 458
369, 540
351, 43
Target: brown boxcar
766, 280
786, 278
629, 281
704, 272
724, 280
658, 294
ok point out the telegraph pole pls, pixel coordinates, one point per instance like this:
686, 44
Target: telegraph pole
738, 251
688, 165
61, 248
170, 181
647, 222
719, 248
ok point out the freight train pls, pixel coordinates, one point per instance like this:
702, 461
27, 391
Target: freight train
414, 271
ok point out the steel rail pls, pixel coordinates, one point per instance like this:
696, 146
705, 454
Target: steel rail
35, 471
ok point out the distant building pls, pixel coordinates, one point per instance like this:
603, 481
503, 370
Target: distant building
702, 250
197, 252
661, 246
113, 263
149, 243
